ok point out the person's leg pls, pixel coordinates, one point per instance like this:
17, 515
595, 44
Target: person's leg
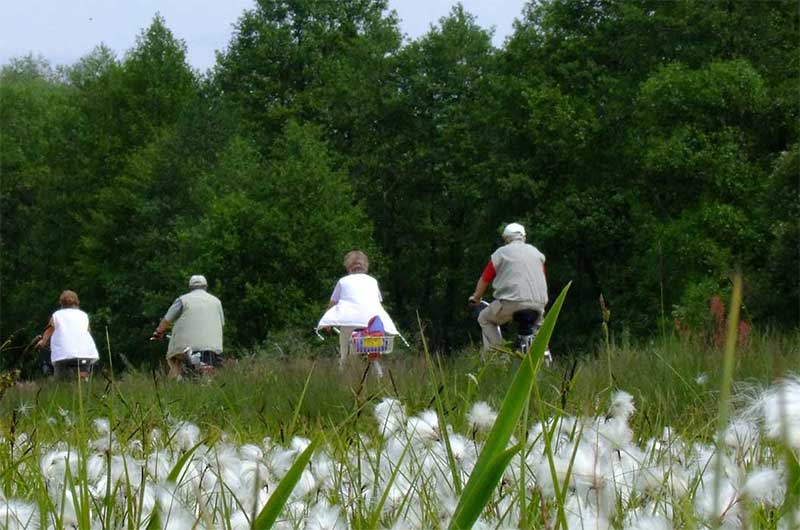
176, 363
490, 320
63, 370
344, 344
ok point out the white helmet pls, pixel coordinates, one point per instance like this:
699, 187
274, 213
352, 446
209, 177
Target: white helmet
514, 231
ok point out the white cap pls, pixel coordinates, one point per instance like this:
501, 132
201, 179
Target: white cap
198, 280
514, 230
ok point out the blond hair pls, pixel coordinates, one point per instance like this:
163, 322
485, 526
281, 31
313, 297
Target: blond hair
356, 261
68, 299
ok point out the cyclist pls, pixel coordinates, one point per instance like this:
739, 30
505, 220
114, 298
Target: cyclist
516, 271
355, 300
71, 344
197, 321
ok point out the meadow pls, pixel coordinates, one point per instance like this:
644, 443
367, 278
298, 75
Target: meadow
628, 432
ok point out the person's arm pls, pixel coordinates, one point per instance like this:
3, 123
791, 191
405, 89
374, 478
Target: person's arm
484, 281
48, 332
337, 293
162, 328
172, 315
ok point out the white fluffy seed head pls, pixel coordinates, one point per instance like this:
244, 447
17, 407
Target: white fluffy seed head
765, 486
481, 417
186, 435
622, 406
102, 426
780, 409
391, 416
741, 435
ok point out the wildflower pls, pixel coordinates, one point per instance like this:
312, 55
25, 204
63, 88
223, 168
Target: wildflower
15, 515
391, 416
251, 452
741, 435
780, 409
186, 435
102, 426
481, 417
24, 409
654, 522
424, 427
765, 486
323, 516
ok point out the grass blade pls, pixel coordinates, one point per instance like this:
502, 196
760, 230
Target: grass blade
269, 514
727, 383
438, 383
486, 482
477, 493
175, 473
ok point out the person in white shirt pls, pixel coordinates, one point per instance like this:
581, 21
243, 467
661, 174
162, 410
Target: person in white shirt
355, 300
71, 344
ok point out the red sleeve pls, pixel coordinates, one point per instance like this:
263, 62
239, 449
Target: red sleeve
489, 273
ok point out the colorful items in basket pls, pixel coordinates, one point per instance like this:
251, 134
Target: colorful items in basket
371, 340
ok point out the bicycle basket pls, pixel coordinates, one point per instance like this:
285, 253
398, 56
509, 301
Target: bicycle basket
371, 345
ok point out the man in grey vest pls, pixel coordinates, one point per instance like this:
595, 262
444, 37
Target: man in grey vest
197, 320
517, 273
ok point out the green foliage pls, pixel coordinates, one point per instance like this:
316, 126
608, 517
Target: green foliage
275, 232
650, 148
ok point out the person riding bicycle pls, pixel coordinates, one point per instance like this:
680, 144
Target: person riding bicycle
517, 273
355, 300
71, 344
197, 320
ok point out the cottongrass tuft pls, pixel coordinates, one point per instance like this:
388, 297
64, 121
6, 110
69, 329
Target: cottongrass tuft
17, 515
651, 522
481, 417
404, 475
780, 409
391, 416
765, 486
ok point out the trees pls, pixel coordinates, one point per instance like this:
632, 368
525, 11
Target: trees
647, 122
140, 176
309, 60
650, 147
426, 177
37, 195
274, 233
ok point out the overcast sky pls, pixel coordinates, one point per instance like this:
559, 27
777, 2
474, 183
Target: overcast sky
62, 31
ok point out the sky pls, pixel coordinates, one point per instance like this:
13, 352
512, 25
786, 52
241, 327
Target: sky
63, 31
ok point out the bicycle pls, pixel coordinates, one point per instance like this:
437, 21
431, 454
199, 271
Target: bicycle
371, 346
528, 322
197, 363
64, 369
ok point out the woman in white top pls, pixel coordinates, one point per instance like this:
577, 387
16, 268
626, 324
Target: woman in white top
71, 344
355, 300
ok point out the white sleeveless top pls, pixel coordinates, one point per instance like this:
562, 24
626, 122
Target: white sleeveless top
71, 338
358, 299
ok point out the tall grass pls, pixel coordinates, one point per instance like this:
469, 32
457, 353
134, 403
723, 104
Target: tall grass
674, 383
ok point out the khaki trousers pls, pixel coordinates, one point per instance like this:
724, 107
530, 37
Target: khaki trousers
498, 313
176, 363
344, 343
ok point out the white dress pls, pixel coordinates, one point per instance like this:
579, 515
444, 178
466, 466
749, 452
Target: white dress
71, 338
358, 299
